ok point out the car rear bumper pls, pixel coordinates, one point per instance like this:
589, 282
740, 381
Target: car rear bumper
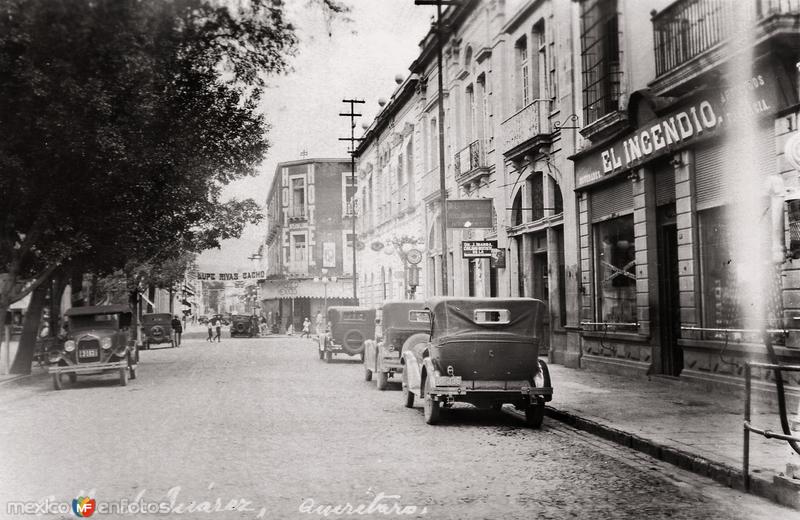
493, 388
87, 368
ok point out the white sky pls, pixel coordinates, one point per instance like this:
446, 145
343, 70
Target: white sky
359, 60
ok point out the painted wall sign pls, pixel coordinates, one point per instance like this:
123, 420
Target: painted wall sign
477, 248
329, 254
705, 116
469, 213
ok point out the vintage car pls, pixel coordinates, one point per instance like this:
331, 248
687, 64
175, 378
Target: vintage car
242, 325
99, 340
402, 324
157, 329
348, 328
482, 351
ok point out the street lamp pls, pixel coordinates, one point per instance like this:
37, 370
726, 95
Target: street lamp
324, 280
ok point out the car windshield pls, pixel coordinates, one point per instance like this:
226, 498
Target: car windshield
94, 320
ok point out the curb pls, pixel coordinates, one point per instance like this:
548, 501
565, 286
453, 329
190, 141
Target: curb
771, 489
14, 378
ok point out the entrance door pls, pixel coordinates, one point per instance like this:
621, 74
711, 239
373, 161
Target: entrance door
541, 282
669, 295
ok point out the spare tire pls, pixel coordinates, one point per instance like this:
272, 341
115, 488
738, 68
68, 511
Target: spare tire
240, 327
353, 342
157, 331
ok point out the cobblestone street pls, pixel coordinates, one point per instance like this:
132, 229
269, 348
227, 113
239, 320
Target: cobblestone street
266, 424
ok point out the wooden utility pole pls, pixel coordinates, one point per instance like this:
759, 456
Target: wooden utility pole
440, 35
352, 151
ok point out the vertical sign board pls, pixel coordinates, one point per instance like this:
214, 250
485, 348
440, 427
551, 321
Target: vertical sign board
478, 248
329, 254
469, 213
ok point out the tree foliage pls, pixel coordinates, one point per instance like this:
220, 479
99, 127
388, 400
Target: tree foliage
121, 122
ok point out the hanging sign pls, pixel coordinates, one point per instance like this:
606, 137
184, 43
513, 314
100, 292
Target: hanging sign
477, 248
233, 276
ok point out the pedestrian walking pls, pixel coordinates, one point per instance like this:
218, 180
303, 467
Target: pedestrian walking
318, 323
218, 327
177, 330
210, 331
306, 328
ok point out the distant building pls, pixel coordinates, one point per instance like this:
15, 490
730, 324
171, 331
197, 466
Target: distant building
309, 241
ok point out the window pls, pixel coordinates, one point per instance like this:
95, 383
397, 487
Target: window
540, 74
523, 73
536, 189
434, 144
615, 268
600, 58
348, 254
516, 210
472, 115
558, 199
298, 208
410, 172
483, 94
298, 252
349, 190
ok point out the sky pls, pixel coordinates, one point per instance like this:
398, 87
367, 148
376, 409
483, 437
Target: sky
357, 59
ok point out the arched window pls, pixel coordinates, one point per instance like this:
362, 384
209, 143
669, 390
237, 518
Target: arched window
516, 209
536, 189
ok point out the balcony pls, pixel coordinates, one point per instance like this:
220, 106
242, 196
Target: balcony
689, 35
297, 214
471, 162
527, 128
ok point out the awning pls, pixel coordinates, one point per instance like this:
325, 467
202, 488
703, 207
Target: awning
306, 288
21, 304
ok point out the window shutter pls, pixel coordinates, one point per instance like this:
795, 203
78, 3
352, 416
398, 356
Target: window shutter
613, 198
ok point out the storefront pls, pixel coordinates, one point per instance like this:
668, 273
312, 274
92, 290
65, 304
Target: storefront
290, 301
663, 258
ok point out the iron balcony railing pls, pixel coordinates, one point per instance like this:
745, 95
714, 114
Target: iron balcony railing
298, 213
470, 158
688, 28
527, 123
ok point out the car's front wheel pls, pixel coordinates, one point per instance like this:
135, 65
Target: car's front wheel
408, 395
367, 374
57, 384
73, 378
431, 408
123, 376
328, 356
383, 380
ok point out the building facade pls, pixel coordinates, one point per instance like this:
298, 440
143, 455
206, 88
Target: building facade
642, 166
309, 242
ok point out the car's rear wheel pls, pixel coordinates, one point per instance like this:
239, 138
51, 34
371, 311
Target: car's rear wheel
408, 395
534, 413
73, 378
383, 380
432, 409
123, 377
57, 384
328, 356
131, 366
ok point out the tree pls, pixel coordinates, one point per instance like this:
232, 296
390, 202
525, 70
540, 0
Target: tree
121, 121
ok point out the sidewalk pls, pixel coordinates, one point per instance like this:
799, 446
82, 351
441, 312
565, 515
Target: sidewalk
681, 423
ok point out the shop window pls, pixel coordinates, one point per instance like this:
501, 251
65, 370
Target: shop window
718, 280
616, 270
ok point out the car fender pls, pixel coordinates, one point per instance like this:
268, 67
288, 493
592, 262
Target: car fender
413, 370
370, 359
427, 368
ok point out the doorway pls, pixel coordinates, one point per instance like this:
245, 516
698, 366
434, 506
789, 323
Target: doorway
669, 311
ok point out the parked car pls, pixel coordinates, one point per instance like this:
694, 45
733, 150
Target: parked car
402, 324
482, 351
243, 325
99, 340
348, 328
157, 329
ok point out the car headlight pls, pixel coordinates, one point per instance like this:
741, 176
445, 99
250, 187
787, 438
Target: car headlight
69, 345
105, 343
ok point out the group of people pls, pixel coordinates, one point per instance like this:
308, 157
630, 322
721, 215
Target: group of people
214, 323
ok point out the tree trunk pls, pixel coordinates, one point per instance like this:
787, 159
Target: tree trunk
171, 302
30, 328
59, 284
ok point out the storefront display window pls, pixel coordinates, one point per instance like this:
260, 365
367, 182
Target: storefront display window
616, 270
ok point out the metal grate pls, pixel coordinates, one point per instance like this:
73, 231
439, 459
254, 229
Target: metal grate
600, 58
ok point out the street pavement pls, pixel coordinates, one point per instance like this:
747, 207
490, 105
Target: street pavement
264, 427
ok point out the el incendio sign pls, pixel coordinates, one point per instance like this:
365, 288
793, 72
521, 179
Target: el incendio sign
477, 248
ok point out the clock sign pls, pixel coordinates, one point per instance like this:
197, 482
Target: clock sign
414, 256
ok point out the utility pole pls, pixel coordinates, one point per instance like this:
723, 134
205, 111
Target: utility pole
352, 151
440, 32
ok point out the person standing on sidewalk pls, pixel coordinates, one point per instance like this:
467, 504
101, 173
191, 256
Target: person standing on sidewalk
218, 327
318, 323
306, 328
177, 329
210, 331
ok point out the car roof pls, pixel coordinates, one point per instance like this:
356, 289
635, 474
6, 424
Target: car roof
154, 314
342, 308
98, 309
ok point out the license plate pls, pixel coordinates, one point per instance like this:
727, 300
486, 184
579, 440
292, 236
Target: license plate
89, 352
447, 381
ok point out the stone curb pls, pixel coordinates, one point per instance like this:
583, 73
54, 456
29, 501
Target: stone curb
719, 472
14, 378
774, 490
